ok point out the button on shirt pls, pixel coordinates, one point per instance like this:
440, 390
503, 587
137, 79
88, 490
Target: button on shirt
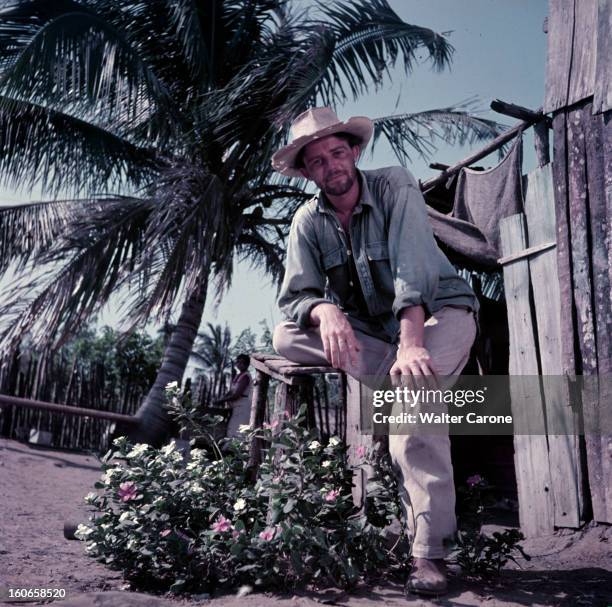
390, 251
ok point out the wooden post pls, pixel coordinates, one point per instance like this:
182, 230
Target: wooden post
258, 411
530, 450
541, 143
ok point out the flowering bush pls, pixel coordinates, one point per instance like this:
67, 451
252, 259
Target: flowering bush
196, 522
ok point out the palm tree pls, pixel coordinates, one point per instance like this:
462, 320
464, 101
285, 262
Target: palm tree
213, 349
156, 121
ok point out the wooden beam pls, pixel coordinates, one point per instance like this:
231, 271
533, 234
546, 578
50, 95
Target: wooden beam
292, 380
14, 401
527, 252
518, 111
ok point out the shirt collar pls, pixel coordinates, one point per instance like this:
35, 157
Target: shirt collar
324, 206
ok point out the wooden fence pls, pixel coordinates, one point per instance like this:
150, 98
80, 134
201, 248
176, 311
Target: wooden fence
57, 379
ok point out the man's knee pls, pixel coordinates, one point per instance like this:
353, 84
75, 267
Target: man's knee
282, 338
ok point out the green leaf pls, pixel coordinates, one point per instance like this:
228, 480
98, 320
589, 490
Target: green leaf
289, 506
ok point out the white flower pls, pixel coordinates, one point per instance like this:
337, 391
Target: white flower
105, 526
173, 385
333, 441
196, 488
91, 547
139, 449
197, 453
192, 465
168, 449
132, 544
119, 441
108, 475
326, 464
82, 531
314, 445
243, 428
240, 505
90, 497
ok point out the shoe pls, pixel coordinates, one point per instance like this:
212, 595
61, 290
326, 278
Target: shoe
427, 577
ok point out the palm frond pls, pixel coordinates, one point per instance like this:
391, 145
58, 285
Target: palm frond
370, 37
188, 222
78, 58
80, 275
19, 22
29, 230
350, 50
262, 253
421, 132
42, 146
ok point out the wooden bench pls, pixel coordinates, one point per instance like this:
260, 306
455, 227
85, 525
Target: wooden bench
296, 386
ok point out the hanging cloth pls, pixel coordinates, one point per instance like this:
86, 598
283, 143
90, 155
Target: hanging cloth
482, 199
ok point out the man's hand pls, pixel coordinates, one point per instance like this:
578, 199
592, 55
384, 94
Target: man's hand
413, 360
339, 341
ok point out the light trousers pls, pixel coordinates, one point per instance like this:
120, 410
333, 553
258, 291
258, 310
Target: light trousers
422, 463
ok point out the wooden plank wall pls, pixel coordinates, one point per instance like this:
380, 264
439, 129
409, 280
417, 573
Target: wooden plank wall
583, 201
531, 462
578, 49
603, 70
563, 445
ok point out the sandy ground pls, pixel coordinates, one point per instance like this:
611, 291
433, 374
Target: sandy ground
42, 488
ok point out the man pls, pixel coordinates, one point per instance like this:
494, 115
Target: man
368, 290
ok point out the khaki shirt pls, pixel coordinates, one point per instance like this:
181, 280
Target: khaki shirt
398, 261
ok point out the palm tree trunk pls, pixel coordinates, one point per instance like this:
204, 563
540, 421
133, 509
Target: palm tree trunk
155, 424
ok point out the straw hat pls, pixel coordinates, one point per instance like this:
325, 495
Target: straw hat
316, 123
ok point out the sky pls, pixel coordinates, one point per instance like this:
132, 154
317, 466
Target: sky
500, 53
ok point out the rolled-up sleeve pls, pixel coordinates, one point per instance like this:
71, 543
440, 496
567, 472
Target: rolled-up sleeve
413, 252
304, 282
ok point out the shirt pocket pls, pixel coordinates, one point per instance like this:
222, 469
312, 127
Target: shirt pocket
377, 253
334, 258
335, 266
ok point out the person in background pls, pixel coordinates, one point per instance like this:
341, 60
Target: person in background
239, 397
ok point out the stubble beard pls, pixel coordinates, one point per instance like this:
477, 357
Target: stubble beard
339, 187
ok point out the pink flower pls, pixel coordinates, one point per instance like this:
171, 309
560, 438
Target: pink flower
166, 532
271, 426
361, 451
127, 491
472, 481
235, 533
332, 495
267, 534
221, 525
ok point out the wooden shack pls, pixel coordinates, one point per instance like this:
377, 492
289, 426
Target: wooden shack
556, 317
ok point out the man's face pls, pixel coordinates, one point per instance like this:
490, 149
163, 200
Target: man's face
330, 163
